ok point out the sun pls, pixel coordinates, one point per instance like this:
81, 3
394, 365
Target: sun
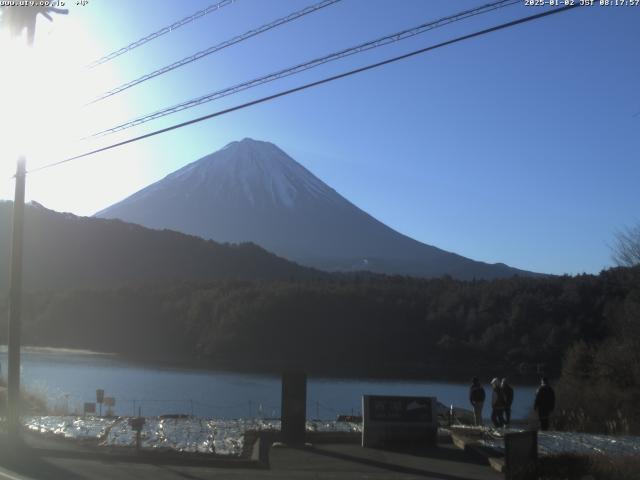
34, 99
44, 113
43, 92
17, 63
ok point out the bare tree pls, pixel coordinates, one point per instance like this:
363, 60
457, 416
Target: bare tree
626, 250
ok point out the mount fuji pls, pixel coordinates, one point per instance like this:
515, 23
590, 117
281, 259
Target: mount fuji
252, 191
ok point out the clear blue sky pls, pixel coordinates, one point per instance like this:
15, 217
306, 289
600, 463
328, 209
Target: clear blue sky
518, 147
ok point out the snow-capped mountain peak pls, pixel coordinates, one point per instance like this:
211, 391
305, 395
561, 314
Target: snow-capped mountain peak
253, 191
260, 171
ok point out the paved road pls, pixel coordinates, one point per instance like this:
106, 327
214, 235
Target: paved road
332, 461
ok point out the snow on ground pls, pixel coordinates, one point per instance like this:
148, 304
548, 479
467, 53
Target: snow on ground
81, 428
224, 437
551, 443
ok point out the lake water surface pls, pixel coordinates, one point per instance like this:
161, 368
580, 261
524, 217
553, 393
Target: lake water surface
69, 378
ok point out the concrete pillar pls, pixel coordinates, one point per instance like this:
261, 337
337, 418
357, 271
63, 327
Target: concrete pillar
294, 407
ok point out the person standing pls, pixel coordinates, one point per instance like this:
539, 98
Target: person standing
544, 403
497, 404
507, 391
476, 397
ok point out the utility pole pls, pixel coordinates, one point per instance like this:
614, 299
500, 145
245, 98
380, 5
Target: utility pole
17, 19
15, 301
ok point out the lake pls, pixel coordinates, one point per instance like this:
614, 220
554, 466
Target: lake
69, 378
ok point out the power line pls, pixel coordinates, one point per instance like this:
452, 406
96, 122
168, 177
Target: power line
162, 31
216, 48
395, 37
312, 84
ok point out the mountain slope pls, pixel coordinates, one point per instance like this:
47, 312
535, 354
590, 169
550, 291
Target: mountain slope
65, 251
253, 191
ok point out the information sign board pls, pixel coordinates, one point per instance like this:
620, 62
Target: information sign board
389, 420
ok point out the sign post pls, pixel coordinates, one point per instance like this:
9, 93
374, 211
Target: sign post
100, 398
109, 402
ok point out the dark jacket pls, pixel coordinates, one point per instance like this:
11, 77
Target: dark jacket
476, 393
545, 399
497, 398
507, 391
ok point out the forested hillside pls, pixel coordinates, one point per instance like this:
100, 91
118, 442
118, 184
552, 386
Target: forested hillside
65, 251
352, 325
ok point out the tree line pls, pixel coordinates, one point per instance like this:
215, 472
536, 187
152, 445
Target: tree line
359, 322
586, 329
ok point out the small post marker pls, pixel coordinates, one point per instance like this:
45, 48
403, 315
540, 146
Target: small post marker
136, 425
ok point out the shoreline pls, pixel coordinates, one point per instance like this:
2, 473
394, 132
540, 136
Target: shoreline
59, 350
433, 373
